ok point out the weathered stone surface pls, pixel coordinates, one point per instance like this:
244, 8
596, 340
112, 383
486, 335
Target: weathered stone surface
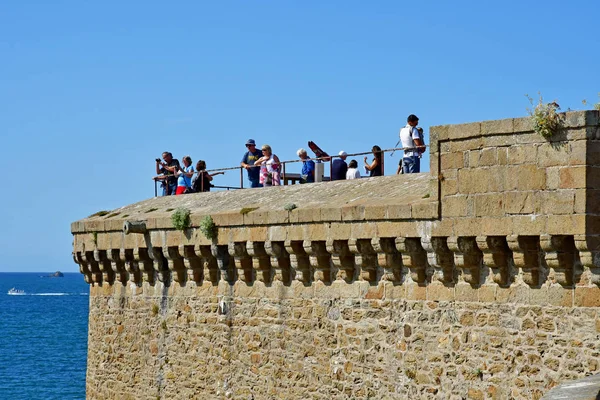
480, 279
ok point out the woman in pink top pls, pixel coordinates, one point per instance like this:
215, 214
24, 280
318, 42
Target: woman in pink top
269, 167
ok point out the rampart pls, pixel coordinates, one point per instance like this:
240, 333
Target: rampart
477, 280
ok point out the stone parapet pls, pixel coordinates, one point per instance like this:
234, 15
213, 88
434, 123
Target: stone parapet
479, 279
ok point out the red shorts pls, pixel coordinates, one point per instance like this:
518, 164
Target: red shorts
180, 190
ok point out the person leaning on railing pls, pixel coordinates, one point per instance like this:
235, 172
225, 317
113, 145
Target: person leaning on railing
308, 167
269, 167
184, 176
375, 167
166, 170
201, 181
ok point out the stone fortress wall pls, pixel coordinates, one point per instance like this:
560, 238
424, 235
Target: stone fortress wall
477, 280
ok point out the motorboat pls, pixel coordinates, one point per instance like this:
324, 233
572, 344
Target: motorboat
14, 291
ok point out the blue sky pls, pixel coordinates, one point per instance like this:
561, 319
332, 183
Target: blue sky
92, 92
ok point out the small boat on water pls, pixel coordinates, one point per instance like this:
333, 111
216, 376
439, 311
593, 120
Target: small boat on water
14, 291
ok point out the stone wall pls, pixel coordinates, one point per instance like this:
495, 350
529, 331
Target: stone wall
478, 280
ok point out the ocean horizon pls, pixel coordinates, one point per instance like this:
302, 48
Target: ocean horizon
43, 331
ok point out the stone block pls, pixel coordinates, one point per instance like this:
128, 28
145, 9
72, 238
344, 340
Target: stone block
451, 160
558, 201
488, 156
472, 181
592, 152
513, 294
522, 202
587, 296
415, 292
559, 296
454, 206
497, 126
577, 119
521, 125
552, 154
522, 154
494, 226
449, 187
525, 177
439, 132
438, 292
363, 230
339, 231
529, 138
466, 144
427, 210
353, 213
463, 131
503, 155
566, 224
487, 293
465, 292
394, 291
578, 152
465, 227
491, 205
572, 177
375, 212
498, 140
529, 224
496, 179
388, 229
473, 158
331, 214
309, 214
553, 178
277, 217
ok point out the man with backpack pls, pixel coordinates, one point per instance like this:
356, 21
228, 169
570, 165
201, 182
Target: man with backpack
412, 140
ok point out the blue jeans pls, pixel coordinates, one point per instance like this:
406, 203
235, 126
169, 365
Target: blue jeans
255, 183
171, 187
411, 165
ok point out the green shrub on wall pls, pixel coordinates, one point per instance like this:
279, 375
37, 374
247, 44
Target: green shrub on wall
546, 118
208, 227
181, 218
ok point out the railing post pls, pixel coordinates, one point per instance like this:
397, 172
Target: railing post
155, 189
331, 169
283, 173
241, 178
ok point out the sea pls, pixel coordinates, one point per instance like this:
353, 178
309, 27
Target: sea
43, 336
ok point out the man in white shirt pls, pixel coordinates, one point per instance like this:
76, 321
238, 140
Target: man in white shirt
410, 138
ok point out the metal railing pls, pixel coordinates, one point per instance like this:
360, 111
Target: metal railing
283, 164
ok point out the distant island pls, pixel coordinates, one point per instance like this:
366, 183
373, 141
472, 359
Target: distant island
57, 274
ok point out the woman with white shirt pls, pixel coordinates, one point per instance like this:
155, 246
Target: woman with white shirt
269, 167
353, 172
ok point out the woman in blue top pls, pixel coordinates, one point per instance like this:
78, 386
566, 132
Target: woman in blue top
184, 177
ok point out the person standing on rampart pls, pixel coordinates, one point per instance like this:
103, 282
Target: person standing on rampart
307, 175
339, 167
248, 162
167, 169
411, 140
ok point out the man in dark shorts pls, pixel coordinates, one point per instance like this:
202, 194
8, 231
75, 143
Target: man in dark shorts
248, 161
167, 169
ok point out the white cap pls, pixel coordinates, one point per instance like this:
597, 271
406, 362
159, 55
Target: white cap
342, 153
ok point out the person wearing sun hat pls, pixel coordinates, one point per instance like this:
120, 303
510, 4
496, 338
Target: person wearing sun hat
339, 167
248, 161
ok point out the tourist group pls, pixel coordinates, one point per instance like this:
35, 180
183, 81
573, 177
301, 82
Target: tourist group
264, 168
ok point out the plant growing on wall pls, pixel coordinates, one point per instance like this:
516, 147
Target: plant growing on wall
546, 118
181, 218
208, 227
